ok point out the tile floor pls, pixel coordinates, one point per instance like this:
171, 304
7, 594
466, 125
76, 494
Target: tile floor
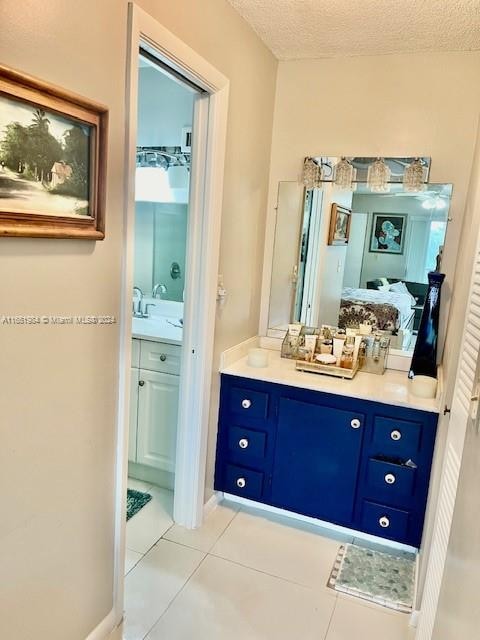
244, 575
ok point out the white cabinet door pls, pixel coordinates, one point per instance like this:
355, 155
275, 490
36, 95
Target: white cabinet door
132, 431
157, 419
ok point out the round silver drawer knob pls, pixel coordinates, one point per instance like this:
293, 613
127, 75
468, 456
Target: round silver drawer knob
395, 435
163, 357
384, 522
246, 404
243, 443
241, 483
390, 478
355, 423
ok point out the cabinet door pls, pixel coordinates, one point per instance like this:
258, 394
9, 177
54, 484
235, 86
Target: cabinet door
132, 429
157, 419
317, 457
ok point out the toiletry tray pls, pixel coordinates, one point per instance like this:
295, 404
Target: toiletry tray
326, 369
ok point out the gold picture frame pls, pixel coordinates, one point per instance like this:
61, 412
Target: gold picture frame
340, 220
53, 162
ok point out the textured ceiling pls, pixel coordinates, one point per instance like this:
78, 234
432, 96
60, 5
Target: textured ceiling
296, 29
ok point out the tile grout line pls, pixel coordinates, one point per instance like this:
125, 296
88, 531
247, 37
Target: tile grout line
271, 575
331, 618
177, 594
223, 532
183, 544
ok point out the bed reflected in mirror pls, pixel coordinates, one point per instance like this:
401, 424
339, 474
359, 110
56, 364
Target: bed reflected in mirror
370, 264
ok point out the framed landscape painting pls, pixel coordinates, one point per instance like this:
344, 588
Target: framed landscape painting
52, 161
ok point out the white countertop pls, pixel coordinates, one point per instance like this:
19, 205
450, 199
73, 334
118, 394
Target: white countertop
393, 388
156, 329
163, 323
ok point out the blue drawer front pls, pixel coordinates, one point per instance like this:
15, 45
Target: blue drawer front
396, 437
390, 481
247, 443
248, 403
384, 521
243, 482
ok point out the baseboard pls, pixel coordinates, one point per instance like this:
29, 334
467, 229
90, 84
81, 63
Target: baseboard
107, 629
212, 503
414, 618
321, 524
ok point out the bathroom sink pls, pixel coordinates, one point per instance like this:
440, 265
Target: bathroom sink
160, 328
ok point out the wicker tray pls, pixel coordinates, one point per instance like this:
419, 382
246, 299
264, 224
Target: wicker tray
326, 369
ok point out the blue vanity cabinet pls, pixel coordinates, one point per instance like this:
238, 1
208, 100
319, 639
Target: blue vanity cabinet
357, 463
317, 458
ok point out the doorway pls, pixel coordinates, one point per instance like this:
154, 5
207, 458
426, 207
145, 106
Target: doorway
165, 109
209, 92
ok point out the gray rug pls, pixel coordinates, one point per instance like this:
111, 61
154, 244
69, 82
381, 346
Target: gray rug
136, 500
388, 579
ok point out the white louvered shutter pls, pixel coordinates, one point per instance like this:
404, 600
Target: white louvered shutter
464, 411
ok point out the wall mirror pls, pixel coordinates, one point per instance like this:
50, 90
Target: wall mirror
160, 245
346, 255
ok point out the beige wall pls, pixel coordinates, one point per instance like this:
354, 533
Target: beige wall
58, 385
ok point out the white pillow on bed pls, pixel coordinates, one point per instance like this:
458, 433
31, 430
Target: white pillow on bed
384, 288
401, 287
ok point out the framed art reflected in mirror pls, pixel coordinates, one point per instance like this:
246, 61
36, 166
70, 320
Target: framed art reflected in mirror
340, 218
388, 233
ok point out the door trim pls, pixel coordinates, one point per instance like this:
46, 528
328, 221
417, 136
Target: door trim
206, 194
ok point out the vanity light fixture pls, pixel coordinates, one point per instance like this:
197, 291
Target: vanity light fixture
378, 176
312, 174
345, 174
414, 176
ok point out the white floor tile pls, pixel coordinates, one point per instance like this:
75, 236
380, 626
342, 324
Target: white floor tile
153, 583
224, 600
131, 559
206, 536
278, 548
355, 620
151, 522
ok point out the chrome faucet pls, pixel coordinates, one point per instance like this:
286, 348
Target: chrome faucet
159, 287
141, 311
137, 312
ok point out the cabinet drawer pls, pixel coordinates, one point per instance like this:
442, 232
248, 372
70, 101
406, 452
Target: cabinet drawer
246, 442
248, 403
398, 437
243, 482
135, 353
385, 521
161, 357
389, 479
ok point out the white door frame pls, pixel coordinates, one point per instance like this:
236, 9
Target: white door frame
206, 193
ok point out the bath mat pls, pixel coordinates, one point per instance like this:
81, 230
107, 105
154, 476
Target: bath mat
135, 501
384, 578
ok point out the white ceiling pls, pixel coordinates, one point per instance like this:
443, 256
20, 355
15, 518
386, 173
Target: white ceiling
296, 29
